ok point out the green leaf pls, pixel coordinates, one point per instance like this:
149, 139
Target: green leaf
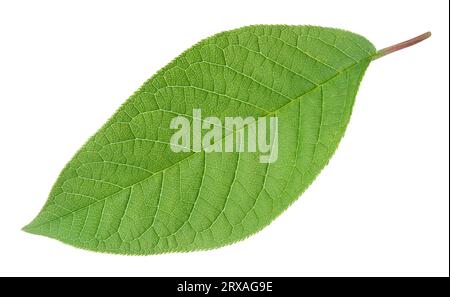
127, 192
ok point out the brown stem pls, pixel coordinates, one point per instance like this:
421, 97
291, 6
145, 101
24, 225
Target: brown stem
401, 45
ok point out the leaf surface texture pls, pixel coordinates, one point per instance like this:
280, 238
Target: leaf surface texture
125, 191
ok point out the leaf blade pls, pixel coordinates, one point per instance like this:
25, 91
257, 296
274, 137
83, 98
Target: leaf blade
136, 210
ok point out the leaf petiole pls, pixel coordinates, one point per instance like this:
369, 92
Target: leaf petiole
401, 45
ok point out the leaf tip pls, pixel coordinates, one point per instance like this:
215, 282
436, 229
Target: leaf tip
30, 228
27, 229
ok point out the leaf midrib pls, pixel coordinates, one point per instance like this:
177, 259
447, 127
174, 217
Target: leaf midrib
370, 57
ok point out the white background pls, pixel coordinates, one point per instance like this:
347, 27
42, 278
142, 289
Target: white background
380, 208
